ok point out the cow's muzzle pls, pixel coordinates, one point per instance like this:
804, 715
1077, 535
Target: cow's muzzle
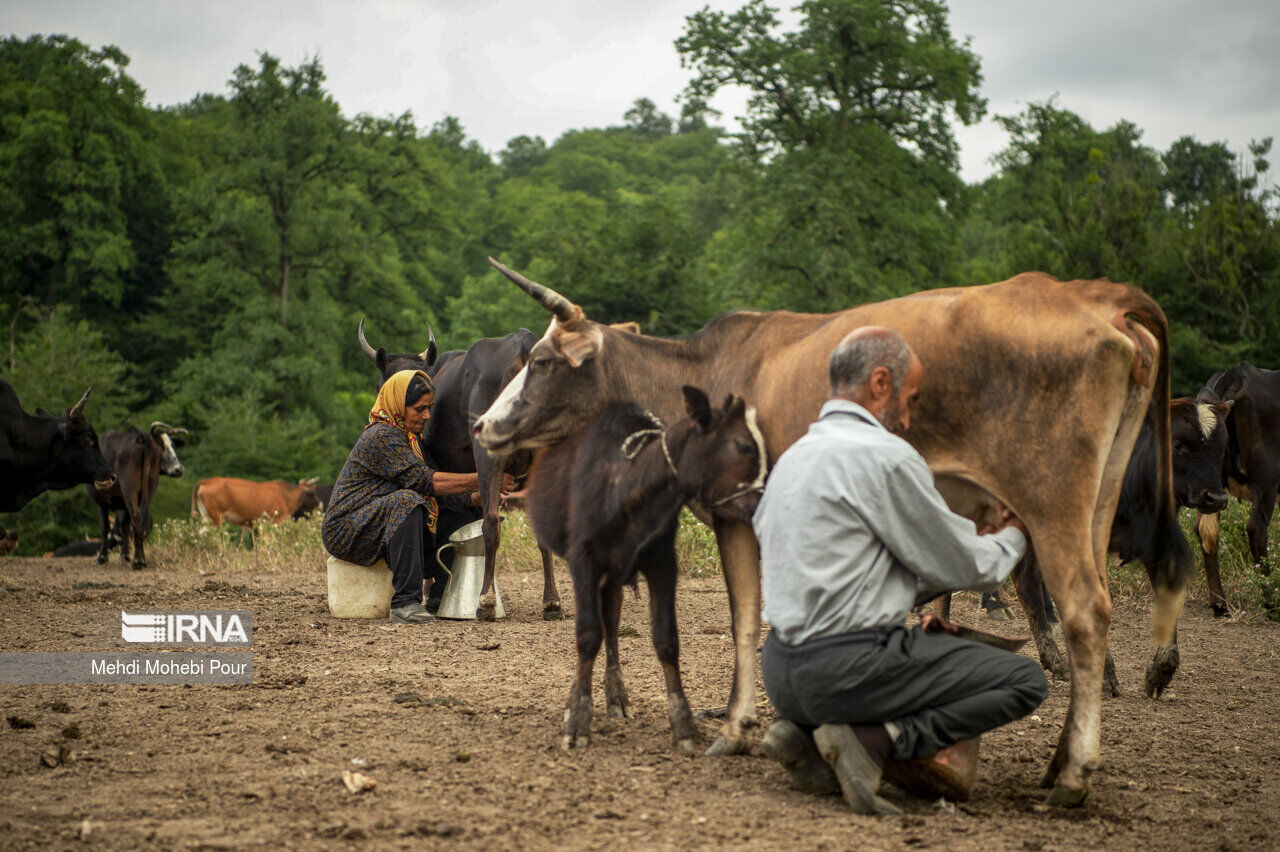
1208, 501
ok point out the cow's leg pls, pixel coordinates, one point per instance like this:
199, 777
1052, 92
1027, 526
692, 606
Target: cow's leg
615, 691
104, 524
489, 470
1078, 585
740, 558
944, 606
551, 609
1207, 532
1029, 587
995, 607
589, 632
666, 644
1264, 503
124, 529
140, 526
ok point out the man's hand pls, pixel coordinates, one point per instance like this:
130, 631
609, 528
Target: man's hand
1004, 518
931, 622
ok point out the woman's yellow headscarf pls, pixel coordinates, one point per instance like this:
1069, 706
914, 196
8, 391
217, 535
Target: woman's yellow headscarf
389, 408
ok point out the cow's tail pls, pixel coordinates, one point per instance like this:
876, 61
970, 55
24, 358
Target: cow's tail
197, 503
1172, 562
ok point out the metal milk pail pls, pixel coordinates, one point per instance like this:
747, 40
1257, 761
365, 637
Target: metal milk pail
462, 594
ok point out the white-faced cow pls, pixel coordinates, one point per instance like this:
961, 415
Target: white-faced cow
1250, 469
1034, 392
40, 452
137, 459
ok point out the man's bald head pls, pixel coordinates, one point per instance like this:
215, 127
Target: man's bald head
863, 350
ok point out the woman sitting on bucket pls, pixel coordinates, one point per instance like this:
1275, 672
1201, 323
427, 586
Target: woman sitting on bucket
387, 498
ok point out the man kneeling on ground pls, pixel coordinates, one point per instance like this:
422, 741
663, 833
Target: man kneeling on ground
852, 533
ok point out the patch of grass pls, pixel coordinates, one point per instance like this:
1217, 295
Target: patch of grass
1242, 582
695, 547
290, 546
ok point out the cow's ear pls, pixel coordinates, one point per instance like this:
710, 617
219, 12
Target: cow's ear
1226, 405
734, 406
380, 358
698, 406
632, 327
578, 346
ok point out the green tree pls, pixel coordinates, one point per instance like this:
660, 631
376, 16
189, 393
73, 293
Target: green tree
848, 135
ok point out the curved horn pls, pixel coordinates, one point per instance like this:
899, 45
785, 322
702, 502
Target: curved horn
77, 410
564, 310
364, 344
429, 354
165, 427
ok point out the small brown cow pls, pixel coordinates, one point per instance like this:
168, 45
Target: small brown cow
242, 501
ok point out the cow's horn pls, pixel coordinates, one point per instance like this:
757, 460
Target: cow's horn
564, 310
429, 354
364, 344
77, 410
165, 427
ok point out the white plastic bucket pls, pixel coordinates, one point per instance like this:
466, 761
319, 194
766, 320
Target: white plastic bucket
357, 591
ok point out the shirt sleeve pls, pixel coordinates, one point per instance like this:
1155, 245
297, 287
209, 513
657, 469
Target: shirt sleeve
941, 548
389, 457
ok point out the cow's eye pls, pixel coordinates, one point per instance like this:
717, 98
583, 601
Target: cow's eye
1177, 446
745, 447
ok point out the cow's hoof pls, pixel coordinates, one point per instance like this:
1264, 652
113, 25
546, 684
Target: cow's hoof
1220, 610
487, 611
138, 566
1000, 613
620, 711
102, 560
724, 747
687, 746
569, 743
1110, 689
1161, 671
551, 611
1066, 797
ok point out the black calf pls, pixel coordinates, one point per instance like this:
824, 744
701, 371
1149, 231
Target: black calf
608, 500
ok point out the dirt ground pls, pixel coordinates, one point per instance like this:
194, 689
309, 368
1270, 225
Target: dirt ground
471, 758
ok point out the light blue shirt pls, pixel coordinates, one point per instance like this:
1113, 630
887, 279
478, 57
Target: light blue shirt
852, 529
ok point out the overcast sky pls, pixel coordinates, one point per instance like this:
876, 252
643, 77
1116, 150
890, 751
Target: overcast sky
1173, 67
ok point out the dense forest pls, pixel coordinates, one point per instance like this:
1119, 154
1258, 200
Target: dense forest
206, 264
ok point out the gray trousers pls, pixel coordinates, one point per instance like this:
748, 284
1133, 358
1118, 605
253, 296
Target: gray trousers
937, 689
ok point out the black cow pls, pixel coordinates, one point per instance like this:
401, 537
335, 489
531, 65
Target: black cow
1199, 438
1250, 469
89, 546
608, 500
323, 495
467, 383
391, 363
137, 459
40, 452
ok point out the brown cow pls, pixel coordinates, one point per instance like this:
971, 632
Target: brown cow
1034, 391
243, 501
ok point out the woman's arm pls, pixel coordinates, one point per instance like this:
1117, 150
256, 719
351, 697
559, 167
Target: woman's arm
455, 483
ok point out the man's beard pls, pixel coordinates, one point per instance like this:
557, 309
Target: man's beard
890, 416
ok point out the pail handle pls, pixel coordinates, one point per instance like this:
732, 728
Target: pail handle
441, 564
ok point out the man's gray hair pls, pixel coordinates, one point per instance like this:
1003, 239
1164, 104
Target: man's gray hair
853, 361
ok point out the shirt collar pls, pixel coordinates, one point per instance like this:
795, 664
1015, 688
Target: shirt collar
844, 406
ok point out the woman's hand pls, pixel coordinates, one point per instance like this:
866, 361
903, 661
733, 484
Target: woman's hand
507, 485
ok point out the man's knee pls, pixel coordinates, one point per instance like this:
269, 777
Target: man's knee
1027, 681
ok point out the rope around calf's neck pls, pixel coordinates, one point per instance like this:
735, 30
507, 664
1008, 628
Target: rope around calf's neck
634, 443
